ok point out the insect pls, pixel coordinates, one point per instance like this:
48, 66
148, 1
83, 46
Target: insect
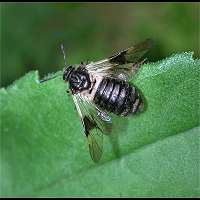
102, 87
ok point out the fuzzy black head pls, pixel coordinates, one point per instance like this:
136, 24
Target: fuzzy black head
79, 79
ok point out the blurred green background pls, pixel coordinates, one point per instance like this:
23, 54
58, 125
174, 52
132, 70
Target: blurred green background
31, 33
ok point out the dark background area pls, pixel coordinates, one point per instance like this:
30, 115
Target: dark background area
31, 33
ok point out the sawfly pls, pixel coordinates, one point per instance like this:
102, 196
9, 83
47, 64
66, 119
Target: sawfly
103, 87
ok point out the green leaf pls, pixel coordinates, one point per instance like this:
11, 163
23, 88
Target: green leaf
154, 153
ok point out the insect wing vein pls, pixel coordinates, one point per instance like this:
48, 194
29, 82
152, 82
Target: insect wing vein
94, 126
125, 63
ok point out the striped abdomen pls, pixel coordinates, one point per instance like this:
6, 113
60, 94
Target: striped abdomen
117, 96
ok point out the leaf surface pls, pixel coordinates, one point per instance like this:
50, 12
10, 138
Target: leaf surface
154, 153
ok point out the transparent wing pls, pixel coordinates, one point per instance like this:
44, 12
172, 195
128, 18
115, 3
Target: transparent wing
124, 63
95, 123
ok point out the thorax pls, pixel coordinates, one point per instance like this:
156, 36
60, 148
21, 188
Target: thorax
95, 81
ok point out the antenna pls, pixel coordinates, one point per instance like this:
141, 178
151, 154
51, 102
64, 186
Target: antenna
51, 77
63, 51
58, 73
